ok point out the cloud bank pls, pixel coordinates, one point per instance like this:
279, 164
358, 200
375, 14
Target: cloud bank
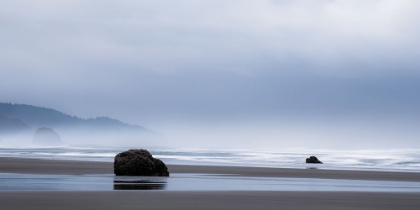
169, 61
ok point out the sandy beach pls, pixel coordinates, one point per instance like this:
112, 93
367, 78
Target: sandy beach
207, 200
203, 199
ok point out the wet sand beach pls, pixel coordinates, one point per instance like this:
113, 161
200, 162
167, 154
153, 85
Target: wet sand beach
123, 200
222, 199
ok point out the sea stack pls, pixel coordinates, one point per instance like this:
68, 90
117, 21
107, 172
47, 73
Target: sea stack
312, 159
138, 162
46, 137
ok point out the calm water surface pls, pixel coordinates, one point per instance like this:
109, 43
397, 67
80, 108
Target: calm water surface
193, 182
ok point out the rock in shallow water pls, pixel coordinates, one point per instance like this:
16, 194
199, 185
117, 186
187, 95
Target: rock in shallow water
138, 162
46, 137
312, 159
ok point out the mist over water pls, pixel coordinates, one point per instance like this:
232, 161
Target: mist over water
249, 134
349, 144
312, 134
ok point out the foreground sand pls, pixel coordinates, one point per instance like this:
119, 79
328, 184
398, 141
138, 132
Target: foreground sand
202, 200
207, 200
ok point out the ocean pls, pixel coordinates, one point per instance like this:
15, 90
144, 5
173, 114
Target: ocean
386, 160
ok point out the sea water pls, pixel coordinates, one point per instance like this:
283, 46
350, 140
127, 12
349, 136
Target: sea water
194, 182
388, 160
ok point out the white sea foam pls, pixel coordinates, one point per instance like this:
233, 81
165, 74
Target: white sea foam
396, 160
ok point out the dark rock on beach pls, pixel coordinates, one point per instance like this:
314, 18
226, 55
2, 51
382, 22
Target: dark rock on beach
312, 159
138, 162
46, 137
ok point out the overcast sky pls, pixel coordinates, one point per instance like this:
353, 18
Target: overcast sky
209, 61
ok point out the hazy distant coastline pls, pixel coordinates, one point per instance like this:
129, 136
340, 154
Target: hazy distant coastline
19, 121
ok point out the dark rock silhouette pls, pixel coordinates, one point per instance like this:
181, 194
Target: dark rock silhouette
46, 137
312, 159
138, 162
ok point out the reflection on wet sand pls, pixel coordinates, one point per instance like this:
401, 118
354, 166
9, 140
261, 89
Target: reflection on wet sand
139, 183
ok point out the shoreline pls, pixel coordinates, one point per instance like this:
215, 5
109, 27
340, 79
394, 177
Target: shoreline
208, 200
70, 167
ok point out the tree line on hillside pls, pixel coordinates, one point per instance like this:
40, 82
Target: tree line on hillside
21, 117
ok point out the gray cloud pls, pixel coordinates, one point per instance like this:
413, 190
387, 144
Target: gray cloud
167, 61
332, 37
